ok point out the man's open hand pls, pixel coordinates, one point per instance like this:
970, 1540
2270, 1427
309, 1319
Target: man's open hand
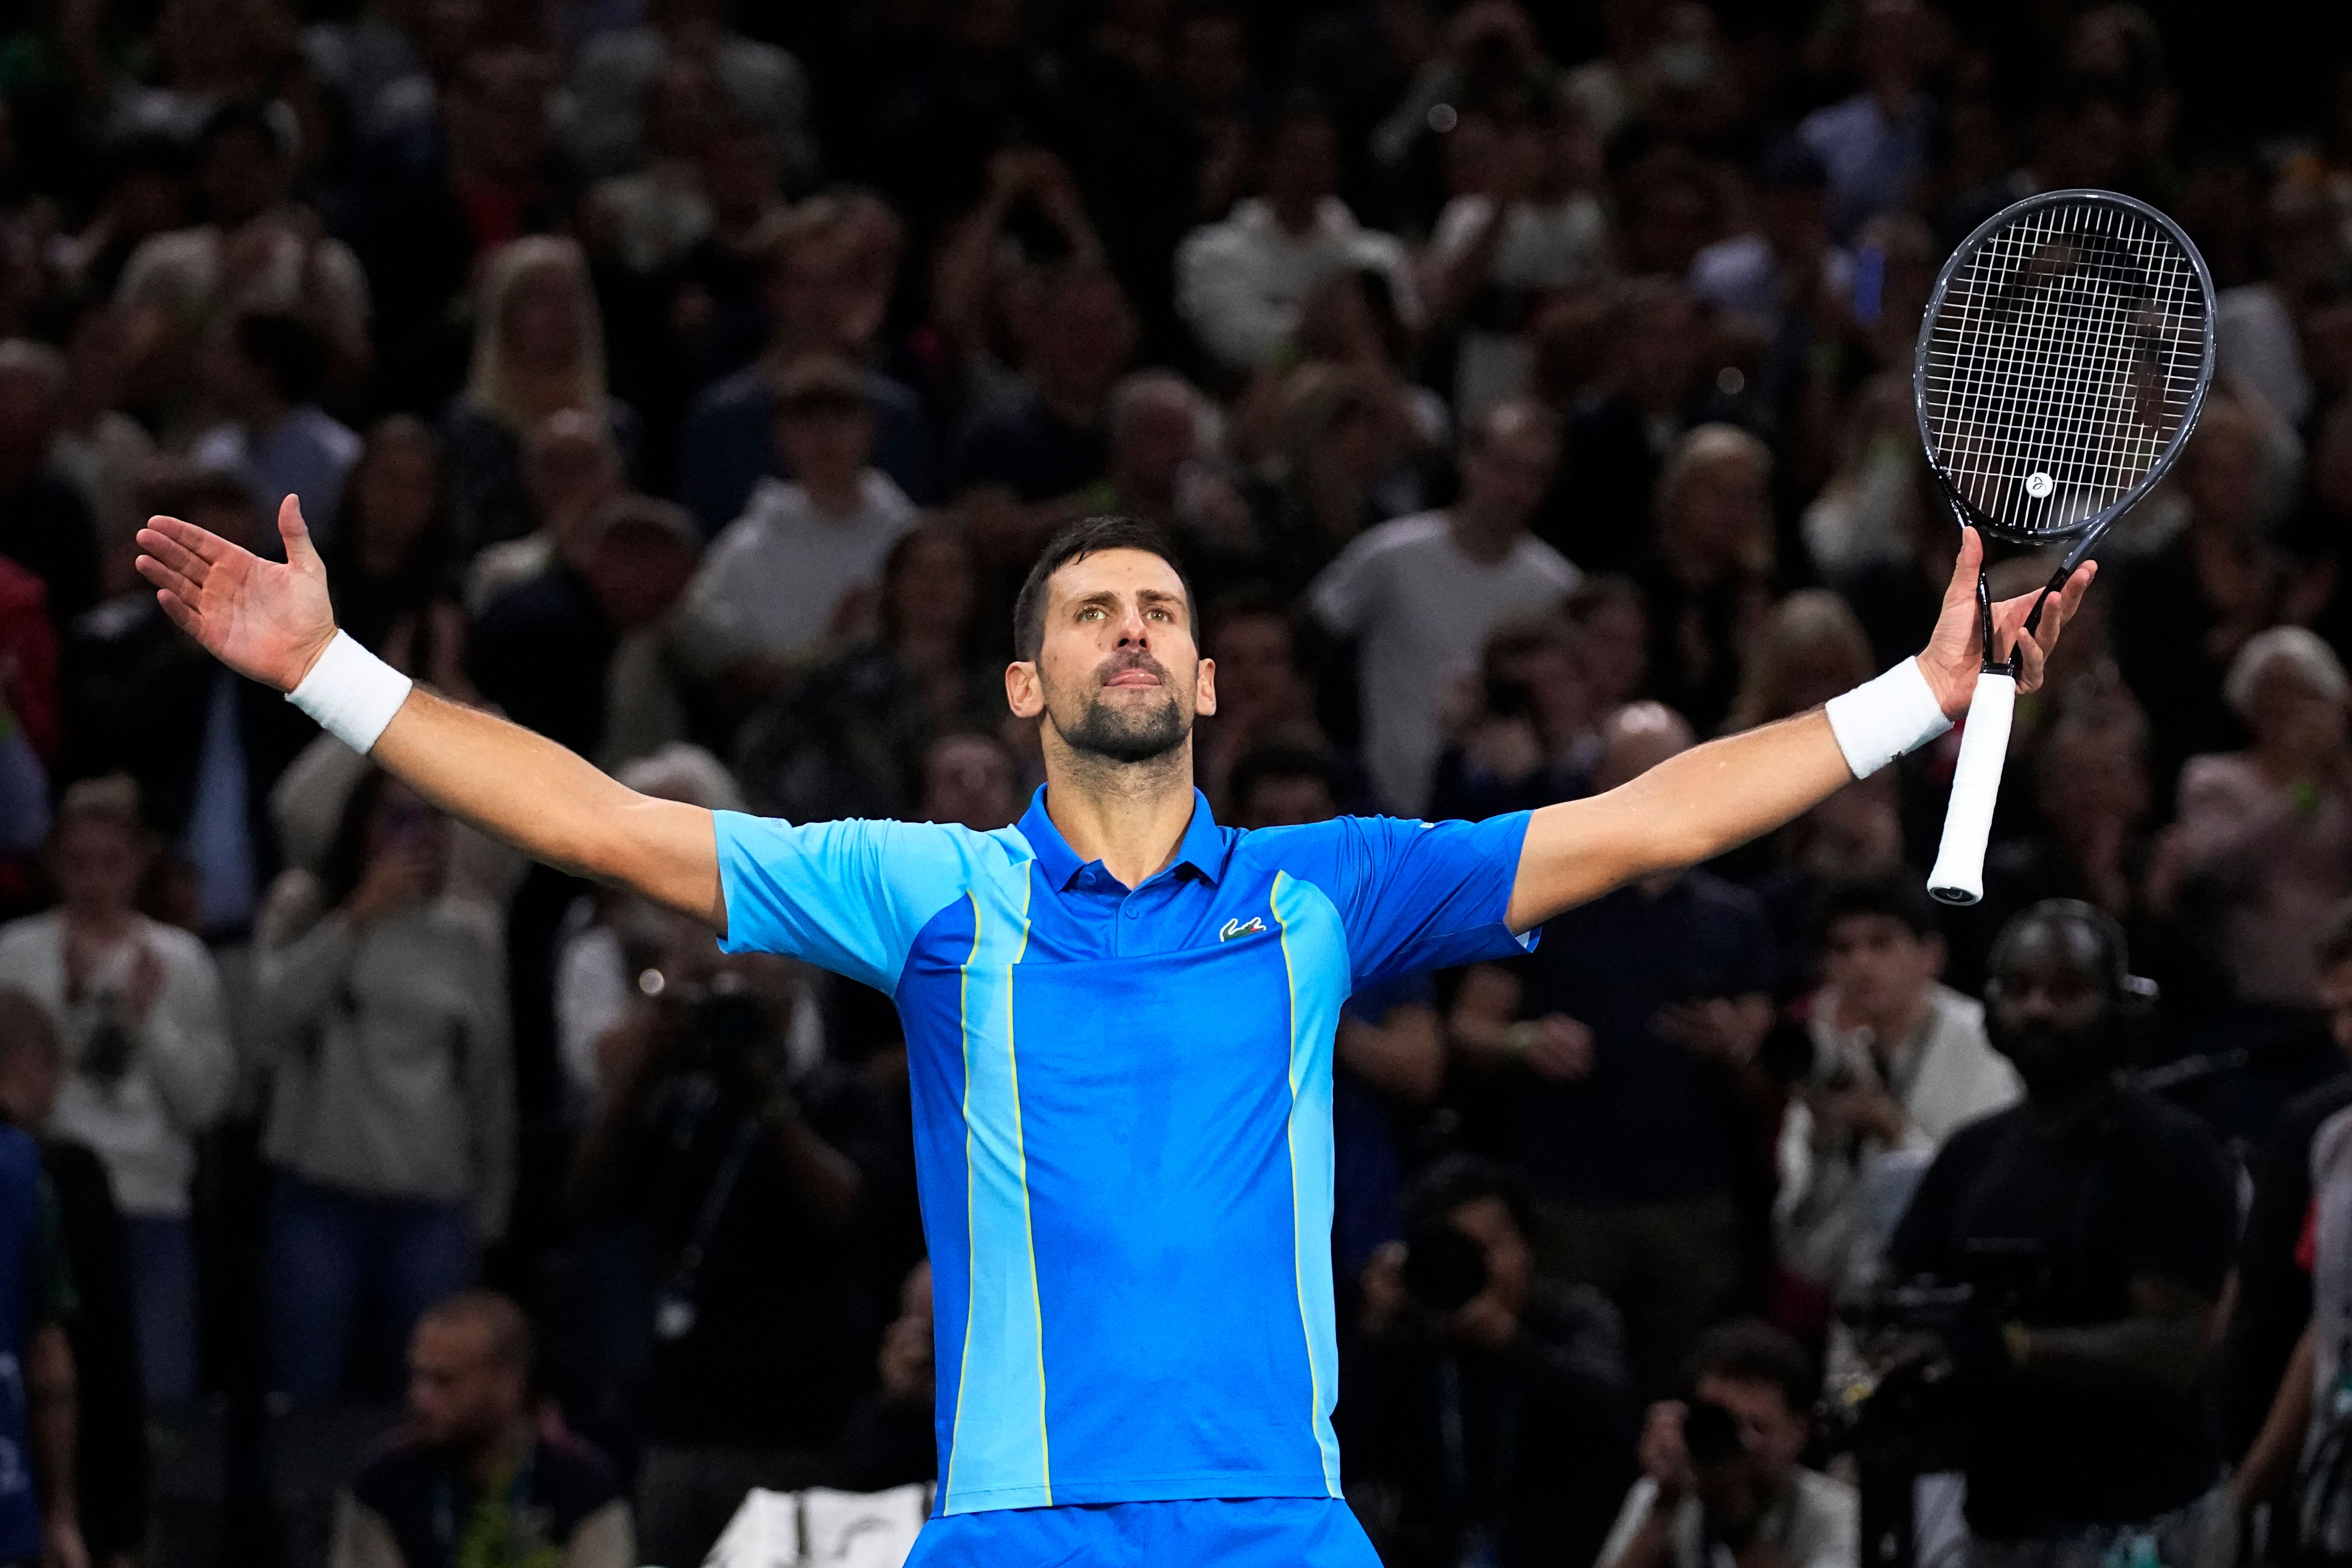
268, 621
1954, 656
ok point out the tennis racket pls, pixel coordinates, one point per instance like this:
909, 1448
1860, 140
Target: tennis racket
2063, 360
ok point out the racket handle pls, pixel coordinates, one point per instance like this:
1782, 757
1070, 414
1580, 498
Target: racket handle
1958, 876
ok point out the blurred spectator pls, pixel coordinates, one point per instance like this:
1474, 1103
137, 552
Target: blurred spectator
2092, 1223
848, 740
1420, 594
205, 744
538, 349
1535, 735
266, 375
39, 1513
1783, 265
1331, 441
769, 593
257, 250
1495, 1406
1390, 1053
1875, 143
577, 652
1051, 438
138, 1005
751, 1158
654, 213
1810, 648
571, 467
45, 524
1628, 1041
110, 1403
1600, 514
890, 1439
1710, 585
2263, 846
99, 446
820, 297
1899, 1062
1723, 1470
389, 564
969, 778
1161, 469
475, 1477
1239, 281
1263, 697
1535, 226
618, 77
381, 1006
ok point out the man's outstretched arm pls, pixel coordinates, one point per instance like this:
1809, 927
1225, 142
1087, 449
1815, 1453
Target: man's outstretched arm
271, 622
1694, 807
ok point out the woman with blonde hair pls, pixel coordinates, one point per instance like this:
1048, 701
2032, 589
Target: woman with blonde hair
1811, 648
539, 349
1709, 584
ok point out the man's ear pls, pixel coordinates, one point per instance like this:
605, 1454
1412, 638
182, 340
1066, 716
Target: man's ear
1204, 688
1023, 693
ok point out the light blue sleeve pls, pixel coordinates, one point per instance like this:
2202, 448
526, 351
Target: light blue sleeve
845, 896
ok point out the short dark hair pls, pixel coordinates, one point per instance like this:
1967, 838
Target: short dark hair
285, 347
1900, 896
511, 1343
1458, 1179
1749, 1350
1089, 536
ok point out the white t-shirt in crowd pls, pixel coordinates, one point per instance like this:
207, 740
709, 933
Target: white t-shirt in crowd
1817, 1525
1555, 246
769, 583
1421, 610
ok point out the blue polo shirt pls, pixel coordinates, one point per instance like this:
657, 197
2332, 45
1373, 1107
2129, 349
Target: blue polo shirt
1123, 1119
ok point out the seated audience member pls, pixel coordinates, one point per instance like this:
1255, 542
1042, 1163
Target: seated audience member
1161, 468
1627, 1042
1239, 281
1051, 439
890, 1439
1533, 738
619, 71
150, 1064
539, 347
477, 1476
2267, 1381
267, 377
2094, 1223
1326, 448
578, 651
1722, 1471
1601, 514
769, 595
110, 1404
1496, 1407
1709, 582
1900, 1061
571, 467
389, 561
849, 739
822, 298
1420, 594
2262, 843
1263, 698
205, 744
749, 1156
381, 1008
969, 777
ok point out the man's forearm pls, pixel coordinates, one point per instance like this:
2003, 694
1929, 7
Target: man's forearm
525, 790
1687, 809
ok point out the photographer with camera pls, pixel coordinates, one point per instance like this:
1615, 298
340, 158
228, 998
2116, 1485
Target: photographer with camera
1488, 1411
1720, 1482
2091, 1226
749, 1157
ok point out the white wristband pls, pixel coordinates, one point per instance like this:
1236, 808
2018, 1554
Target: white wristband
1881, 719
351, 694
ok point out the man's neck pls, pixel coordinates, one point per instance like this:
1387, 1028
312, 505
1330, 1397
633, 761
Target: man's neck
1485, 540
1131, 817
2056, 1114
835, 502
492, 1460
1296, 217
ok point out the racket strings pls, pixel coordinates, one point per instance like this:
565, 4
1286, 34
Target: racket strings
2064, 362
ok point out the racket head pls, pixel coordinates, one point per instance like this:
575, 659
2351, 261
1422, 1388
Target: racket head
2063, 360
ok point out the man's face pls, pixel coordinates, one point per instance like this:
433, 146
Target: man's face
1508, 473
458, 1392
98, 867
1510, 1261
1084, 338
1117, 675
1773, 1434
1256, 663
2335, 995
1878, 965
826, 449
2047, 1012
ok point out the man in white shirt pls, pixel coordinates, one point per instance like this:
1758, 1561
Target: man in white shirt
1420, 594
770, 583
1239, 282
1900, 1060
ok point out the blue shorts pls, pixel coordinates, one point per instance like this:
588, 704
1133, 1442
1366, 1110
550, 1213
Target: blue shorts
1247, 1532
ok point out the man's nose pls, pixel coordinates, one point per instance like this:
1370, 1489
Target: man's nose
1132, 627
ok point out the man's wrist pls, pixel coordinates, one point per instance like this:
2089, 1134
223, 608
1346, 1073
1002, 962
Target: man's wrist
1885, 718
351, 693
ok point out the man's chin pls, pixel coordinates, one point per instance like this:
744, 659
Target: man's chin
1128, 737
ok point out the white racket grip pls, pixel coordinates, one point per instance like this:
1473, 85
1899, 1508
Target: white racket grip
1958, 876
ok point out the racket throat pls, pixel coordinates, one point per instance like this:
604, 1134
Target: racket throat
1993, 666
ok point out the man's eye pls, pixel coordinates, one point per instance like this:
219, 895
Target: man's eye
1159, 615
1091, 613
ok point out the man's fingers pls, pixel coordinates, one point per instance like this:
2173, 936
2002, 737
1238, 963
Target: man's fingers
197, 541
164, 576
295, 532
170, 553
1962, 588
186, 619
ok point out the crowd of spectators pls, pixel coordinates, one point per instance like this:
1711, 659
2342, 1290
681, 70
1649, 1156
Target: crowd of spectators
1526, 389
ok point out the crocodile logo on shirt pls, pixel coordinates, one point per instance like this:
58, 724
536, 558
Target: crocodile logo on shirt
1252, 926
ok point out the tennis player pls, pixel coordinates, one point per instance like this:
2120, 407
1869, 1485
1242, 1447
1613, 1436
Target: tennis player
1118, 1014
